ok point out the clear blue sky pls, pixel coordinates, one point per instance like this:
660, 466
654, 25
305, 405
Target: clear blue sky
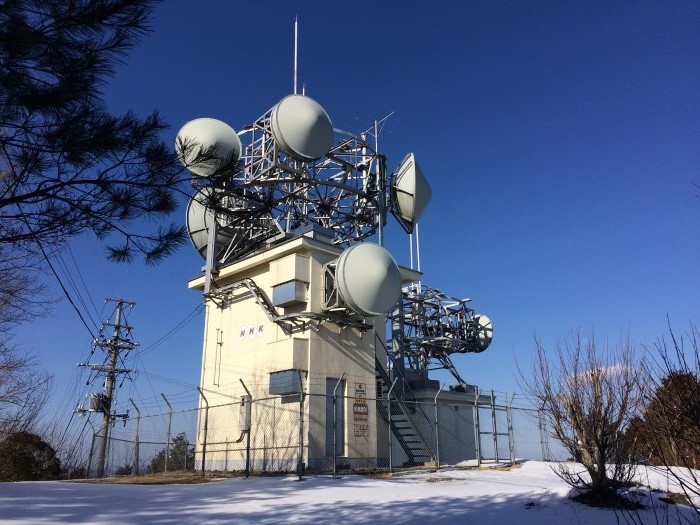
561, 139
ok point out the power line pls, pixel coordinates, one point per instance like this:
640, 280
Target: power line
80, 275
188, 318
65, 291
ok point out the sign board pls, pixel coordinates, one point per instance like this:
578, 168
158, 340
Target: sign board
360, 411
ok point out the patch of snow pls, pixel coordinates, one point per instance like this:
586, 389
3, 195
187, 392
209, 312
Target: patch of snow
529, 495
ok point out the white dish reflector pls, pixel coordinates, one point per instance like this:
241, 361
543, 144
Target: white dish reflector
206, 145
484, 331
368, 279
410, 192
198, 226
301, 127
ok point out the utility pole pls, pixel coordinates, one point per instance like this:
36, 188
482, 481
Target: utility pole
120, 341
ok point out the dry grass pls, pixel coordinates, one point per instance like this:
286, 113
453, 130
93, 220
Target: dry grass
379, 475
440, 480
505, 467
676, 498
171, 478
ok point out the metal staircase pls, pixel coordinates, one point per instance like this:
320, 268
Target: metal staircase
404, 419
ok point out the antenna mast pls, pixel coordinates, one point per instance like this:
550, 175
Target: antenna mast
296, 34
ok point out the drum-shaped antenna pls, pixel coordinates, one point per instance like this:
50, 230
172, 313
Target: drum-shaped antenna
410, 192
198, 226
484, 331
206, 145
368, 279
301, 127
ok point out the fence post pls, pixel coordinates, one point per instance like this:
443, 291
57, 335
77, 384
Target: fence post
249, 425
477, 428
206, 424
300, 460
92, 447
136, 440
437, 430
388, 404
110, 453
543, 433
511, 439
494, 426
167, 441
335, 423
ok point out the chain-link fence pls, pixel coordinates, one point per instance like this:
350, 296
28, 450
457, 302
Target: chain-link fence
318, 433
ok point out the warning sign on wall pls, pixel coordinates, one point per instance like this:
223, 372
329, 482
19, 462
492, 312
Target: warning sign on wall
360, 411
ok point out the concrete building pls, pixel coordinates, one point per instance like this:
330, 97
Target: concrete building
273, 328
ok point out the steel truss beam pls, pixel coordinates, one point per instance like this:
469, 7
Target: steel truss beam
429, 326
268, 194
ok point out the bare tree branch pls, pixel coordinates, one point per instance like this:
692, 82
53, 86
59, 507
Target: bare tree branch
590, 394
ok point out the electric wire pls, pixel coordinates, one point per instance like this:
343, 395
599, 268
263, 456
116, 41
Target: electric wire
198, 309
65, 291
140, 352
80, 316
82, 280
80, 372
70, 282
70, 393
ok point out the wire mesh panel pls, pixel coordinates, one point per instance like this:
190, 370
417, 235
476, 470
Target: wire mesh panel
528, 439
275, 434
147, 445
272, 444
321, 433
455, 436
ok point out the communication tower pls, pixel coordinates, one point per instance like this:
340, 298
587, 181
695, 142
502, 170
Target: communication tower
297, 298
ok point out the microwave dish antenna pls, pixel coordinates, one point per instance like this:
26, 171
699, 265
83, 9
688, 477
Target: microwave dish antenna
410, 192
301, 127
207, 146
483, 332
294, 171
198, 220
368, 279
288, 170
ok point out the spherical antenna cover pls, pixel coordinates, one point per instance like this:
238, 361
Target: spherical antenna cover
484, 331
301, 127
368, 279
206, 145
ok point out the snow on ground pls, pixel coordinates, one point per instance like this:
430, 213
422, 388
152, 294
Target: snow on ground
529, 495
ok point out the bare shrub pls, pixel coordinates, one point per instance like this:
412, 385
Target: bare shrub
589, 393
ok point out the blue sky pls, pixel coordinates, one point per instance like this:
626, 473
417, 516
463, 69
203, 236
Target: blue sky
561, 140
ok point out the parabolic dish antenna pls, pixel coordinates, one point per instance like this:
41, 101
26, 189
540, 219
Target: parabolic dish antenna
206, 145
410, 192
368, 279
301, 127
198, 226
484, 331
